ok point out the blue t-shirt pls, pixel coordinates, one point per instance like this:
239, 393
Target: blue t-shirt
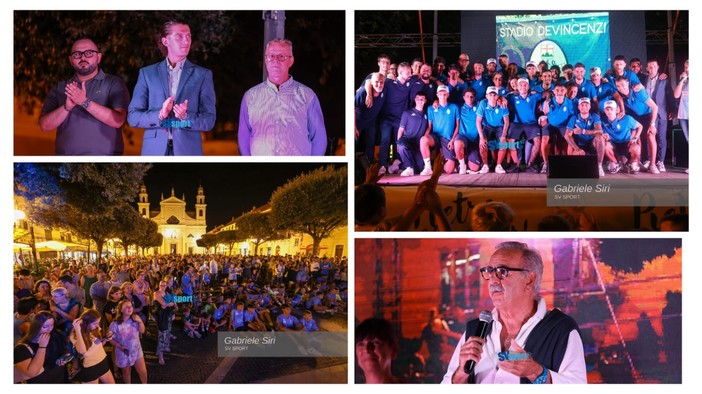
237, 318
288, 322
584, 124
524, 107
310, 325
628, 74
540, 89
396, 99
619, 130
187, 285
480, 86
559, 114
636, 103
365, 116
456, 92
414, 122
492, 116
604, 93
587, 89
429, 89
467, 127
443, 120
250, 316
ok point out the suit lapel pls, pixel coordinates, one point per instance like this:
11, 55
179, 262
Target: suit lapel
163, 77
185, 74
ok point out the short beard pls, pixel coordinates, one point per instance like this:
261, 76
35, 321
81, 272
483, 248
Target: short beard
86, 71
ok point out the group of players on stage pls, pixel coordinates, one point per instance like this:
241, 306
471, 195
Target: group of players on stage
480, 115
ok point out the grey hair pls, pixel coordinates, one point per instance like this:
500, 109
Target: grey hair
280, 40
530, 257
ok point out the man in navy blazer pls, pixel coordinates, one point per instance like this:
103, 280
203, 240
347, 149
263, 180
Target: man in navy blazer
174, 100
658, 87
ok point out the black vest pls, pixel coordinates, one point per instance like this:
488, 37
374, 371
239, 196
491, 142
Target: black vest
547, 342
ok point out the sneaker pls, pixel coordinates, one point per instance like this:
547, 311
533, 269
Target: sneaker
533, 169
426, 171
499, 169
544, 169
462, 169
485, 169
646, 164
634, 168
599, 167
394, 167
613, 167
382, 170
471, 172
653, 169
661, 166
409, 171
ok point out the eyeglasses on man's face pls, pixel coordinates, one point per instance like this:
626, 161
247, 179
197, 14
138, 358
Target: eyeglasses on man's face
279, 58
88, 54
500, 271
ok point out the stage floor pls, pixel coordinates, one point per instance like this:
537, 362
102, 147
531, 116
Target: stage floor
522, 179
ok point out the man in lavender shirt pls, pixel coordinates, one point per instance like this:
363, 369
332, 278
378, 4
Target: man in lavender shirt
280, 116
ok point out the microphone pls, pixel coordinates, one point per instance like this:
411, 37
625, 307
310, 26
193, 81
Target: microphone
485, 320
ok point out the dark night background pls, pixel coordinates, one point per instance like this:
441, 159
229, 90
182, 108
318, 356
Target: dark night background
230, 43
230, 189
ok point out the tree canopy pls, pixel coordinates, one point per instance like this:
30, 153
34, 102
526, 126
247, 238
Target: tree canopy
90, 199
256, 227
314, 203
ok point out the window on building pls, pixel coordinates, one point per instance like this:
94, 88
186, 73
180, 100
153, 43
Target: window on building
47, 235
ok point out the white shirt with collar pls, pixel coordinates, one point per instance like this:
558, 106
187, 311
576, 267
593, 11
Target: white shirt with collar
572, 369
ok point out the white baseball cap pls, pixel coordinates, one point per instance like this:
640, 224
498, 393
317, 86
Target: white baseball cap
610, 104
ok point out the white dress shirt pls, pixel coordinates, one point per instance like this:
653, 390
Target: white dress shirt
572, 369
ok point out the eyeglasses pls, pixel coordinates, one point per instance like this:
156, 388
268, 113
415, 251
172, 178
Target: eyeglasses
279, 58
500, 271
88, 54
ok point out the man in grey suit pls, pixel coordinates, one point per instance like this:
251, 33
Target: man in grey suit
658, 87
174, 100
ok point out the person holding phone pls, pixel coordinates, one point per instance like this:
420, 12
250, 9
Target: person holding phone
125, 329
88, 340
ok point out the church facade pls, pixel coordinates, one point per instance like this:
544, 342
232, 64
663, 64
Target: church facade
180, 227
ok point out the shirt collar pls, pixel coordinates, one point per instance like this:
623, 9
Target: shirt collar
178, 66
100, 76
538, 315
283, 85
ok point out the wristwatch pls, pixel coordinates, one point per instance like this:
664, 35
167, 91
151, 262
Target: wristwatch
86, 103
541, 379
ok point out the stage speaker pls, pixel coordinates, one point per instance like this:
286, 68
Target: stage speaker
680, 149
577, 167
